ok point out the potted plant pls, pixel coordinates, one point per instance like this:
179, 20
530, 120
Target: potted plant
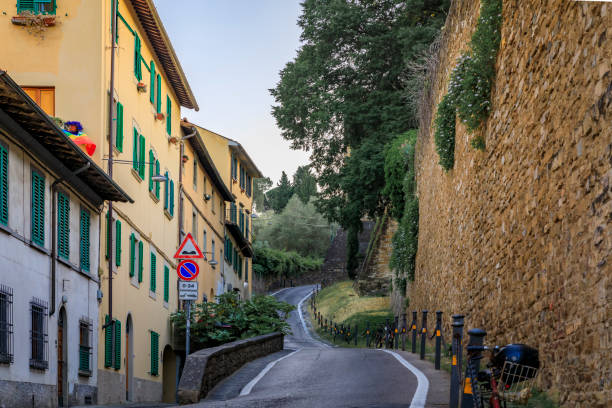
141, 87
173, 139
35, 24
159, 116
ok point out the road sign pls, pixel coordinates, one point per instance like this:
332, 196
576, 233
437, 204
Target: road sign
188, 290
188, 295
188, 249
187, 270
188, 285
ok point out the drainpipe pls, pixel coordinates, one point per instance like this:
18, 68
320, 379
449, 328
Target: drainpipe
54, 233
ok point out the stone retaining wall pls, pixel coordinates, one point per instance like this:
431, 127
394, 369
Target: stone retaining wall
205, 368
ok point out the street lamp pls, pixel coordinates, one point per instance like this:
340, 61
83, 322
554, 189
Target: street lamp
158, 178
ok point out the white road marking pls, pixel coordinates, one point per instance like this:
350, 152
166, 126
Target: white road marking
249, 387
277, 292
420, 395
306, 332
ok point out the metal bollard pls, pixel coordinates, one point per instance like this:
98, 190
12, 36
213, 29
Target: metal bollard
476, 339
368, 334
438, 339
348, 334
414, 330
456, 360
335, 331
356, 333
423, 334
396, 332
404, 332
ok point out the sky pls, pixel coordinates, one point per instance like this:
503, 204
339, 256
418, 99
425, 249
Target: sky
232, 52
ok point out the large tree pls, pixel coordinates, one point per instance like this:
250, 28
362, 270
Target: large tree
343, 96
260, 186
304, 184
279, 196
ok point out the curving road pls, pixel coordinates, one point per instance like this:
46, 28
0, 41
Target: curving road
310, 373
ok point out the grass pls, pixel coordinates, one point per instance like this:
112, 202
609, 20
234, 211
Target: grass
340, 301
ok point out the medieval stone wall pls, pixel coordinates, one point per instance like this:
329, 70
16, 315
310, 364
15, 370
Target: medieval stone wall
374, 277
519, 237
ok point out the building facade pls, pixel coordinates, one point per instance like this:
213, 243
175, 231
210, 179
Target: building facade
51, 197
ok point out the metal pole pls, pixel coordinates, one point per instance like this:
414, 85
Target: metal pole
404, 332
423, 334
356, 333
438, 339
476, 339
396, 332
456, 361
368, 334
414, 330
187, 328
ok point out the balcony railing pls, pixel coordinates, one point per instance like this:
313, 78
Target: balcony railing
238, 224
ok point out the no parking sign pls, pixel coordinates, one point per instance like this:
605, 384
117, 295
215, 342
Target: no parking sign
187, 270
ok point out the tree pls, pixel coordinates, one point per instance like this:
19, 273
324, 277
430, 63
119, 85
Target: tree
304, 184
279, 196
260, 186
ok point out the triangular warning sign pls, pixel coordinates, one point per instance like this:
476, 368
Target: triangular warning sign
188, 249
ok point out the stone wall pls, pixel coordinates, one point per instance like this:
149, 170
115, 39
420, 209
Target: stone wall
205, 368
519, 237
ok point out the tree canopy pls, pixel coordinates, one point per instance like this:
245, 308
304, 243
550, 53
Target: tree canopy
279, 196
304, 184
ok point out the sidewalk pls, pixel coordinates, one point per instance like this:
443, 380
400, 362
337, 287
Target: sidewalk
439, 380
129, 405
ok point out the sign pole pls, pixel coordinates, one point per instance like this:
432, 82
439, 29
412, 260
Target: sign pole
187, 329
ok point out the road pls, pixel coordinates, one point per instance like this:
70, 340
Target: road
310, 373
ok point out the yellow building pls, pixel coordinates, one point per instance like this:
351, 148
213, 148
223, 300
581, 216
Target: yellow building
202, 197
238, 171
65, 64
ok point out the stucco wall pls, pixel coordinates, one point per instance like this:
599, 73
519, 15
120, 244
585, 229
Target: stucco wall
518, 237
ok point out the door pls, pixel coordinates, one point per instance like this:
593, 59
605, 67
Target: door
129, 359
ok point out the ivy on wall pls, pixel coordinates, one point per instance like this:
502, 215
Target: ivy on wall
469, 93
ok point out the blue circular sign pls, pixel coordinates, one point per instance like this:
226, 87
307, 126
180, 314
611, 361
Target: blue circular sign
188, 270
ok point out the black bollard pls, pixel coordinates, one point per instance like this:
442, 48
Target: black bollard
396, 332
356, 333
368, 334
476, 339
413, 327
404, 332
438, 339
456, 360
348, 334
423, 334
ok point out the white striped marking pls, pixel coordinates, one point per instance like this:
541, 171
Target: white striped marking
277, 292
420, 395
306, 332
249, 387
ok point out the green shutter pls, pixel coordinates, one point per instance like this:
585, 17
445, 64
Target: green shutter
84, 241
141, 165
168, 115
108, 235
166, 188
166, 283
132, 255
137, 58
140, 259
152, 83
118, 243
108, 343
172, 197
83, 358
154, 353
38, 208
117, 360
4, 185
119, 135
64, 225
135, 152
151, 160
157, 184
25, 5
153, 282
158, 104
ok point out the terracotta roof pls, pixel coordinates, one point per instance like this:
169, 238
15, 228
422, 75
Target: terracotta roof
156, 33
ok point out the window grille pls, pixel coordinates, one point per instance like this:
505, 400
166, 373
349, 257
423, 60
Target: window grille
85, 346
6, 325
39, 358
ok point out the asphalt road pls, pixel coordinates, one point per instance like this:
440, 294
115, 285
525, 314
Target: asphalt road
314, 374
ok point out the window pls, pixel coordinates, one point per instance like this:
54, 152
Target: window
137, 58
84, 223
119, 128
169, 195
169, 116
152, 83
44, 97
154, 353
166, 283
151, 169
153, 276
242, 181
136, 248
204, 186
195, 174
38, 335
36, 6
249, 185
112, 343
158, 104
194, 225
212, 250
246, 270
4, 184
38, 208
157, 174
171, 211
85, 341
204, 243
140, 259
212, 200
241, 221
117, 237
63, 225
166, 192
234, 168
6, 325
138, 154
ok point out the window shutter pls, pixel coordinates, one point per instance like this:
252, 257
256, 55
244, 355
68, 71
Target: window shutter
4, 185
84, 242
157, 184
132, 255
25, 5
166, 283
118, 243
141, 167
168, 115
158, 104
137, 64
172, 197
108, 344
117, 362
166, 188
63, 225
135, 152
119, 135
38, 208
151, 160
153, 282
154, 353
152, 83
140, 259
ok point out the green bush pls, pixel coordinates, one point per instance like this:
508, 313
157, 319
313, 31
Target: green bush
405, 241
270, 262
445, 132
231, 319
396, 165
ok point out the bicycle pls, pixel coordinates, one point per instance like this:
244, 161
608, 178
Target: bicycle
509, 377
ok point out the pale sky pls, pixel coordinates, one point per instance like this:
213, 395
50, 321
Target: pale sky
232, 52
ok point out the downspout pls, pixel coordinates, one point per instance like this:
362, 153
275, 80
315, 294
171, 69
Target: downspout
54, 233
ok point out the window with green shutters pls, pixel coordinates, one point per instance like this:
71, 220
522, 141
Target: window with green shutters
158, 104
166, 283
137, 58
4, 185
117, 356
157, 184
153, 281
132, 255
63, 225
154, 353
168, 115
152, 83
141, 164
108, 343
119, 130
118, 243
38, 208
171, 198
85, 347
151, 168
84, 240
140, 259
37, 6
166, 191
135, 161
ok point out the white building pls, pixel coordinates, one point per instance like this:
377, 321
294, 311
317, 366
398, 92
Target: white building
50, 190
